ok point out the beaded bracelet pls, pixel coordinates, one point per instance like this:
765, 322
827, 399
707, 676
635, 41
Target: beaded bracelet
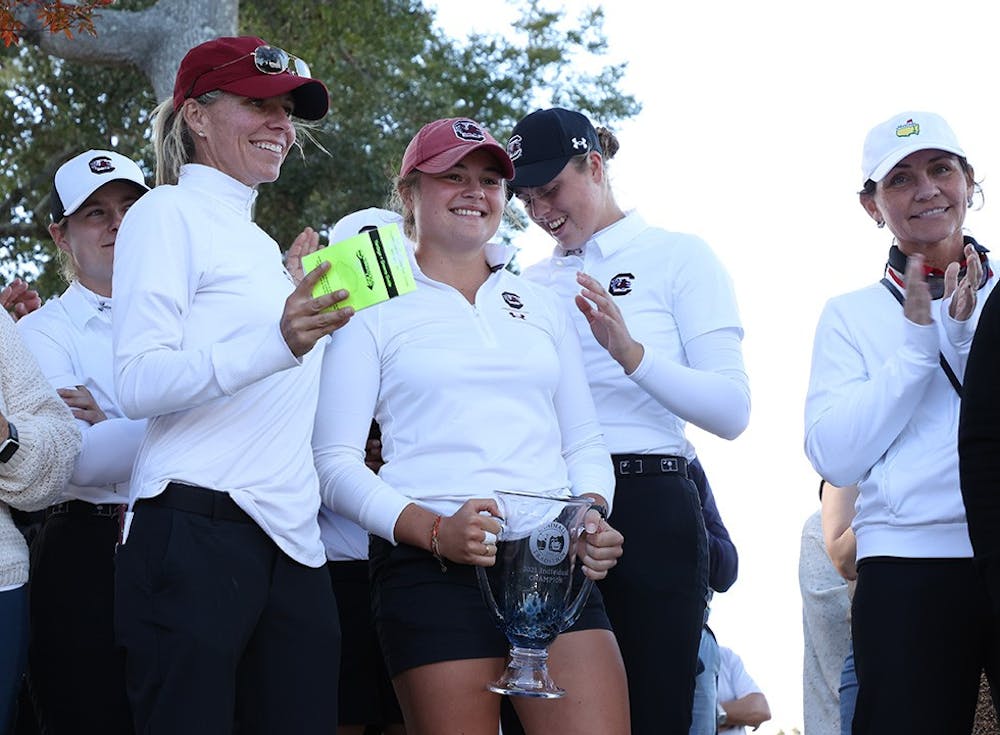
435, 550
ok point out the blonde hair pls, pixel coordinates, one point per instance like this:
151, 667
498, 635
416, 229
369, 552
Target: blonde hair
396, 202
67, 268
609, 146
172, 138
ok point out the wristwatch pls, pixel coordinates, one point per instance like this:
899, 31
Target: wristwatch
721, 717
9, 445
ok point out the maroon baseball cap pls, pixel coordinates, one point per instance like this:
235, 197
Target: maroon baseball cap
443, 143
248, 66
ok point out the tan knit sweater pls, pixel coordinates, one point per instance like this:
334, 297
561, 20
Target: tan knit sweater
49, 439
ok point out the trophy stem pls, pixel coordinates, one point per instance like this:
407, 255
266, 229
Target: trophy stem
527, 675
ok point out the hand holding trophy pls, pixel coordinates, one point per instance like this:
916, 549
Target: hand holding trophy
533, 578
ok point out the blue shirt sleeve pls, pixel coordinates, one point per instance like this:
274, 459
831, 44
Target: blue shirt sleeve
723, 560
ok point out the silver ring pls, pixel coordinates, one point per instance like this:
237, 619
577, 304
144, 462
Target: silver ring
489, 538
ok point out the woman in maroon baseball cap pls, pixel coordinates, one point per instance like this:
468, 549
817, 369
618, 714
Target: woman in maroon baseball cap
222, 602
476, 382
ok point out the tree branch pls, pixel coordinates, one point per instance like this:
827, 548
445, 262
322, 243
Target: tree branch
154, 40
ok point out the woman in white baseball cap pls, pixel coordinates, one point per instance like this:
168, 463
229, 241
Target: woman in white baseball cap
882, 411
74, 661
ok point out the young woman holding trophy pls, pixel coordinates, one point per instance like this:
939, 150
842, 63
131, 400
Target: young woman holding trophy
477, 384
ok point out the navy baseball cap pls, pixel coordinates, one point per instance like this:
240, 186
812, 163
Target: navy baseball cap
544, 142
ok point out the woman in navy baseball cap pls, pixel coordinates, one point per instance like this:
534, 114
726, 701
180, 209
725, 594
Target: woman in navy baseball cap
661, 333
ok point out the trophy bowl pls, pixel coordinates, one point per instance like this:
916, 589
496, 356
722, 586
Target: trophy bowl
529, 589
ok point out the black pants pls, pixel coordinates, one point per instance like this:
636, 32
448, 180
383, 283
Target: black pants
219, 625
77, 673
923, 631
655, 597
366, 693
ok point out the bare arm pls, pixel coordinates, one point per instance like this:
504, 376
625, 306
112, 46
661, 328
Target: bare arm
838, 512
751, 710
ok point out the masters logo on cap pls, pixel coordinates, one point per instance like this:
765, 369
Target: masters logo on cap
891, 141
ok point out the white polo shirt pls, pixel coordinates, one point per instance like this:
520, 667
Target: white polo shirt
671, 289
734, 683
70, 337
471, 398
199, 292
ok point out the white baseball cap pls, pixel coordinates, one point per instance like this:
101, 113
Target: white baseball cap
84, 174
908, 132
364, 219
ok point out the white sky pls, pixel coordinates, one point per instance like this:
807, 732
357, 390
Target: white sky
754, 116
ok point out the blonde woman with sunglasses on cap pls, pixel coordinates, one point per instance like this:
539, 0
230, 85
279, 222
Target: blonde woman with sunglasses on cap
660, 330
476, 382
223, 604
882, 411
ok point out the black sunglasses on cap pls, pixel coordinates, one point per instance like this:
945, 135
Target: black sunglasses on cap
267, 60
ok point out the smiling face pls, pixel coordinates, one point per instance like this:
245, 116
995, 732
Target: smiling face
88, 235
923, 200
574, 205
243, 137
461, 205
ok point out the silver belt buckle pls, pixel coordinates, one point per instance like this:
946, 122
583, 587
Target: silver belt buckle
668, 464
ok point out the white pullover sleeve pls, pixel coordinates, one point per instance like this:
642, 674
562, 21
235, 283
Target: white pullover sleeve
349, 386
713, 393
854, 409
157, 271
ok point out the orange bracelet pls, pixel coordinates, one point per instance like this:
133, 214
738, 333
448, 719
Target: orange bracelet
435, 550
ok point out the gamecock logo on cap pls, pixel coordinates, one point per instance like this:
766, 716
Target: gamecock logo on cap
101, 165
469, 130
514, 149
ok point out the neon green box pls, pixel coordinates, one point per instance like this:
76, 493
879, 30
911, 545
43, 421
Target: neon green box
373, 266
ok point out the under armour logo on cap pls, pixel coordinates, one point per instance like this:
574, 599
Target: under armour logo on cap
579, 143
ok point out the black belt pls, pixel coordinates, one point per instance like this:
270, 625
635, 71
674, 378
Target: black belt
83, 508
636, 465
200, 501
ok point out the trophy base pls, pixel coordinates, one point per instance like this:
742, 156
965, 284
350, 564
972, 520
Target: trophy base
527, 675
